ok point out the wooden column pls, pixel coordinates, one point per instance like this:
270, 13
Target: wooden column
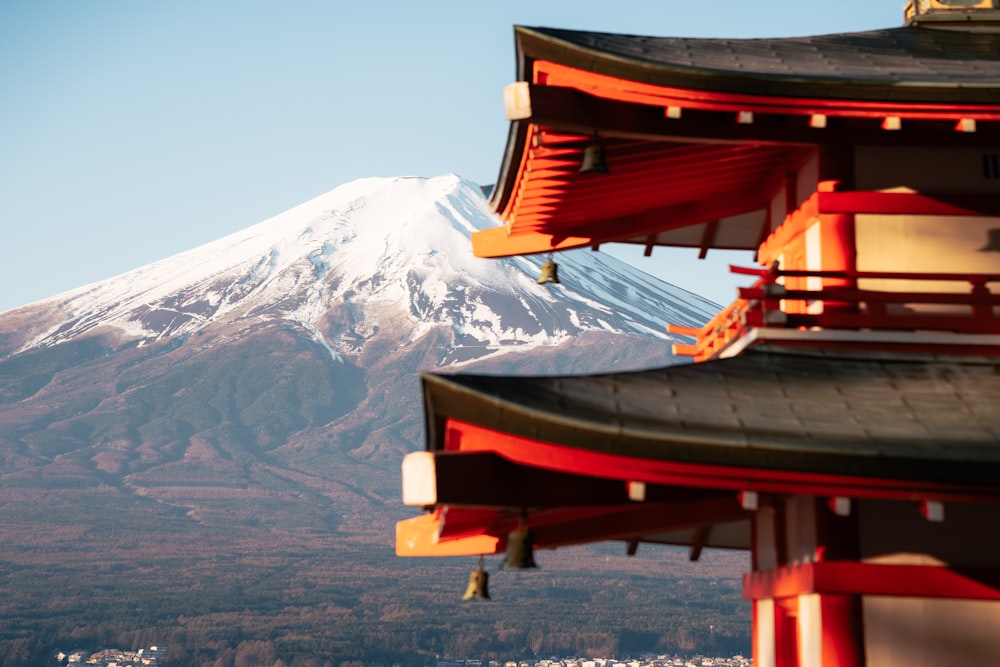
798, 622
834, 234
842, 631
837, 240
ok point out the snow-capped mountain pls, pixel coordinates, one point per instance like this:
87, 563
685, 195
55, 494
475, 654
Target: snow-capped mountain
194, 427
309, 327
371, 255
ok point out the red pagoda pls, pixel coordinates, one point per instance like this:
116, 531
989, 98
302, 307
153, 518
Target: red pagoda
841, 421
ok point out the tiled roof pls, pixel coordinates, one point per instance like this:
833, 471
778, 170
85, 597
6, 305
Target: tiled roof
866, 414
903, 60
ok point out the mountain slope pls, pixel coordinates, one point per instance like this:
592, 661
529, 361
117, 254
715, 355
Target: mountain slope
310, 326
209, 419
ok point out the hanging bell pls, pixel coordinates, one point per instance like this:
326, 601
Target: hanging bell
550, 273
478, 588
595, 160
520, 548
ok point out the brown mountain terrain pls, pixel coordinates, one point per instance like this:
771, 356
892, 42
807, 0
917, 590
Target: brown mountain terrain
220, 473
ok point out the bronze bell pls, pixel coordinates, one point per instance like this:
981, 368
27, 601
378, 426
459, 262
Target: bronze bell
550, 273
520, 548
478, 588
595, 161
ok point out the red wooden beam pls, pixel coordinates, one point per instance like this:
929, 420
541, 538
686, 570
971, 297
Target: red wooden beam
505, 242
854, 578
603, 85
870, 296
571, 110
638, 520
908, 203
971, 278
419, 537
467, 437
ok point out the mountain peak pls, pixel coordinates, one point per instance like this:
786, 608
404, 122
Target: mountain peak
367, 254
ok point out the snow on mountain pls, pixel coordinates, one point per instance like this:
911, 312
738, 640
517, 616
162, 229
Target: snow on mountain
369, 255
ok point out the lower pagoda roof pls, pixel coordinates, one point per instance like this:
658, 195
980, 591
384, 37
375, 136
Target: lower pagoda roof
774, 418
682, 455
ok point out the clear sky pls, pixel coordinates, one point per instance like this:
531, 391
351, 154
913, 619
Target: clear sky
133, 130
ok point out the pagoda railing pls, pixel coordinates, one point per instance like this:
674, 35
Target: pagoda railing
769, 304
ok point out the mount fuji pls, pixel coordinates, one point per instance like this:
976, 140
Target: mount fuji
254, 396
367, 255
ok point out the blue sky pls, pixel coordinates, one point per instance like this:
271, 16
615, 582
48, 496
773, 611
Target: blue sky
131, 131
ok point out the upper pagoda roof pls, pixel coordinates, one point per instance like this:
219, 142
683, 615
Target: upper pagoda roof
899, 64
699, 135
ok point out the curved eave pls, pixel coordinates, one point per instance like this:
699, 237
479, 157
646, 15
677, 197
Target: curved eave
761, 411
665, 127
679, 455
719, 523
710, 195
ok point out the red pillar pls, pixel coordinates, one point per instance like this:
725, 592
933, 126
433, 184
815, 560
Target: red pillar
838, 240
809, 630
786, 633
842, 631
838, 247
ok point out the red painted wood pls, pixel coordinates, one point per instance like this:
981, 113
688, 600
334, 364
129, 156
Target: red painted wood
908, 203
772, 274
463, 436
755, 642
842, 631
555, 74
857, 578
786, 633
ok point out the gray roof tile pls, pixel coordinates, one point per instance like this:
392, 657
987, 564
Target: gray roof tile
898, 62
896, 415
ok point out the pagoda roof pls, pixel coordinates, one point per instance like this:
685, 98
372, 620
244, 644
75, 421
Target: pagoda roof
899, 64
682, 454
700, 135
771, 409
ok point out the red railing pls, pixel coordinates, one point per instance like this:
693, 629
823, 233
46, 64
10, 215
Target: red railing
768, 304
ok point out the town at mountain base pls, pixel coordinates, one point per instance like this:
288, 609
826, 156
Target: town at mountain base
205, 451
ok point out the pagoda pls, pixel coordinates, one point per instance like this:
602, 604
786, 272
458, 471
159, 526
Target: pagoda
841, 418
